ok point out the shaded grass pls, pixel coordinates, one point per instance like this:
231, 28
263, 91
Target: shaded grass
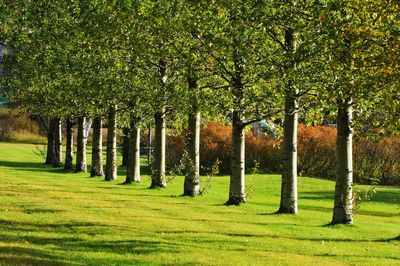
48, 217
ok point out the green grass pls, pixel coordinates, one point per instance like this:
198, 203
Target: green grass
49, 217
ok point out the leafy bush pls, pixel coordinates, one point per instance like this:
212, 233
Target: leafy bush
375, 162
174, 151
215, 145
316, 151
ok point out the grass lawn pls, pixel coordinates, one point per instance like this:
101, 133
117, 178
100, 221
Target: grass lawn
49, 217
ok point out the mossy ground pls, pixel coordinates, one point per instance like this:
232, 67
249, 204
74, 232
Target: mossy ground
50, 217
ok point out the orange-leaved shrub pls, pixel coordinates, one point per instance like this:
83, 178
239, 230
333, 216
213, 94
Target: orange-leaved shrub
175, 147
377, 161
316, 151
374, 161
215, 144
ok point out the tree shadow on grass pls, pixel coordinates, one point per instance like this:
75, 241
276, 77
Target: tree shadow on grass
28, 256
249, 235
18, 236
41, 167
18, 226
21, 233
41, 210
21, 258
18, 246
33, 167
269, 214
321, 194
17, 255
144, 170
384, 196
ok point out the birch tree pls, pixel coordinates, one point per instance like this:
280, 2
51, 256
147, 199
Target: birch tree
239, 52
353, 47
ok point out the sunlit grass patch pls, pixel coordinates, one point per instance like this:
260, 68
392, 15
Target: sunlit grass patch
48, 216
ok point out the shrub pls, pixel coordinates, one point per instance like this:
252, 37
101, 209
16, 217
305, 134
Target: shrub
215, 145
263, 152
375, 162
316, 151
175, 147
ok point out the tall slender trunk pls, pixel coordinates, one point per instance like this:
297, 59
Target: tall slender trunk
289, 174
149, 146
125, 146
237, 194
192, 177
97, 148
237, 179
88, 125
57, 143
343, 207
111, 161
81, 146
133, 167
68, 165
158, 170
191, 185
50, 156
158, 175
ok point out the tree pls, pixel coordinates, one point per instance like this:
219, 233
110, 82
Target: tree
192, 58
41, 64
352, 41
160, 56
290, 25
68, 164
238, 53
97, 148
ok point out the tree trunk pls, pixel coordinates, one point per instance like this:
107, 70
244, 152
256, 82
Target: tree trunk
237, 187
69, 146
158, 170
97, 148
57, 162
289, 152
81, 146
133, 169
111, 162
50, 156
343, 207
158, 175
149, 146
88, 125
125, 146
192, 177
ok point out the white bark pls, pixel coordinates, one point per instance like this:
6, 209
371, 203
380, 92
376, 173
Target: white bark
237, 179
81, 146
289, 175
192, 177
97, 148
111, 160
343, 207
158, 175
69, 145
57, 143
